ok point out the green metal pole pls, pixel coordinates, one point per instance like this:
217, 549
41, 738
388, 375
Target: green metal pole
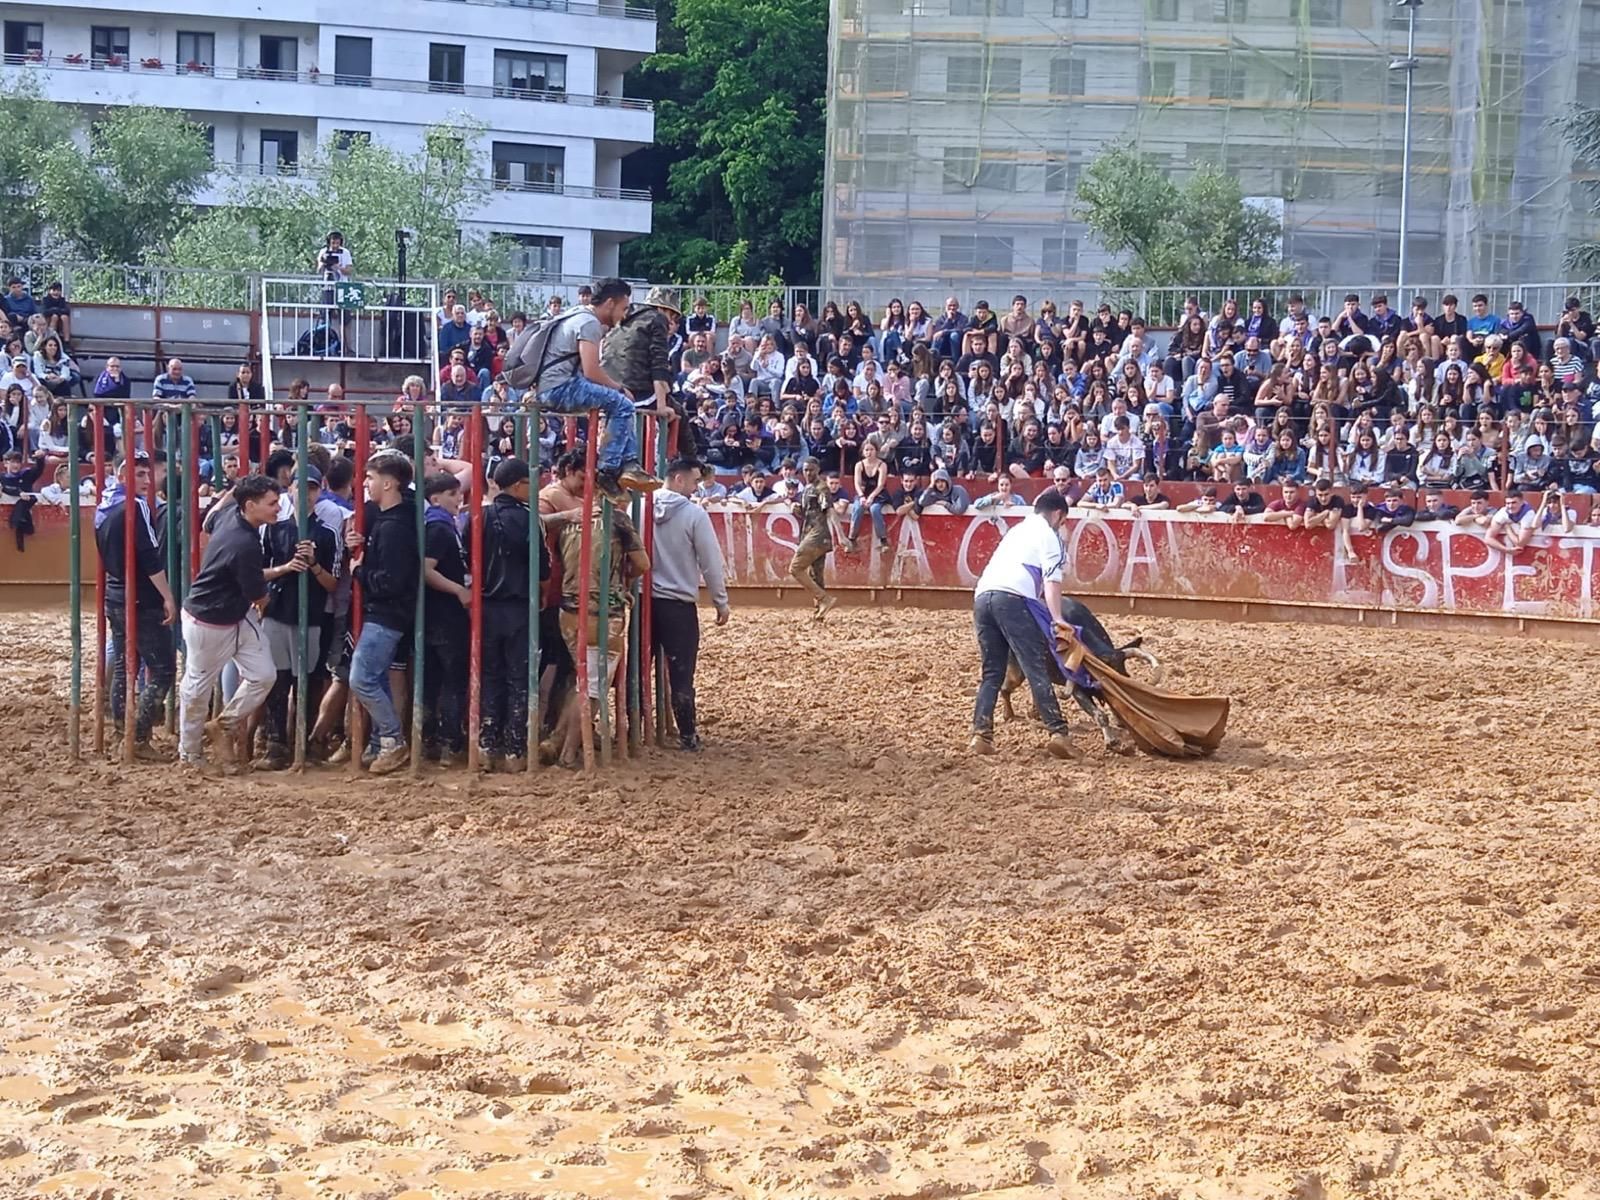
216, 452
658, 663
75, 578
635, 644
302, 521
177, 479
535, 600
419, 458
604, 632
519, 429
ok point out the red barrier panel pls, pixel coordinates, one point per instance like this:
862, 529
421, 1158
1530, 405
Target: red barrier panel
1429, 567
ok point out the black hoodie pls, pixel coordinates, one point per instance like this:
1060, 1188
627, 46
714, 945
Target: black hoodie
390, 569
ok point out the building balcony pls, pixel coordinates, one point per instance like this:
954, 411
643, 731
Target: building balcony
203, 87
612, 24
503, 205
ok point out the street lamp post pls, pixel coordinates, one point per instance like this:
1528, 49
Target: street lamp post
1408, 64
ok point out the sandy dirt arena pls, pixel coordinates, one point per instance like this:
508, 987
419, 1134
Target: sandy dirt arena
1357, 954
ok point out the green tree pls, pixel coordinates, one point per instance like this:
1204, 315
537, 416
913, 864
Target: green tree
32, 131
1201, 232
125, 199
1581, 129
366, 191
740, 117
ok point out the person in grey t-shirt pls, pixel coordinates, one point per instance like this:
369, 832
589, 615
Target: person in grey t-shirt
572, 381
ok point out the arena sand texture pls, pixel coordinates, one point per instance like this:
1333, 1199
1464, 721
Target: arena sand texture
1357, 954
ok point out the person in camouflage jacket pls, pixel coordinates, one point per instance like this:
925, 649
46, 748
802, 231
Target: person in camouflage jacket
634, 351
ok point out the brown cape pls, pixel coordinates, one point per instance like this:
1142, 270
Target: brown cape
1161, 722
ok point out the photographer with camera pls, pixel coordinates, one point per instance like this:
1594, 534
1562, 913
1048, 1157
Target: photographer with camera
333, 260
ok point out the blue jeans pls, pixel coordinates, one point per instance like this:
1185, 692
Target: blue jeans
580, 394
880, 527
1008, 630
369, 677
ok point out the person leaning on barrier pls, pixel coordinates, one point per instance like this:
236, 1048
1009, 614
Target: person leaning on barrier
154, 608
222, 622
686, 552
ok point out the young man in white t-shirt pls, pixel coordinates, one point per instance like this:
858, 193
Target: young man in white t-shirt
1017, 605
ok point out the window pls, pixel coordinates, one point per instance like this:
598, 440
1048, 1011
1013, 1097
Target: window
1227, 81
1060, 174
1068, 76
447, 67
884, 248
536, 254
1158, 79
1327, 12
1059, 258
970, 75
345, 140
523, 167
960, 168
199, 49
883, 166
966, 254
211, 140
997, 175
1164, 10
516, 71
1231, 10
1077, 10
1316, 184
963, 74
888, 67
280, 55
24, 41
981, 8
1326, 83
280, 152
108, 46
352, 61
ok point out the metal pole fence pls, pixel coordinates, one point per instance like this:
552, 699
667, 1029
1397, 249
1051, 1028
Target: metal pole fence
535, 590
75, 590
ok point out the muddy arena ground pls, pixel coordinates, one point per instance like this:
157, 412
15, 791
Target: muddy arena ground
1356, 954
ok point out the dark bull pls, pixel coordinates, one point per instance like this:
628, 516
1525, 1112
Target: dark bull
1098, 643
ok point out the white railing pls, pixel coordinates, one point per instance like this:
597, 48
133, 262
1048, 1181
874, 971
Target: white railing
190, 70
321, 319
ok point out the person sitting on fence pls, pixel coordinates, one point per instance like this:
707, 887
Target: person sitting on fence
570, 379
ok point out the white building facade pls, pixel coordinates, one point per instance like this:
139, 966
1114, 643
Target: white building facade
272, 82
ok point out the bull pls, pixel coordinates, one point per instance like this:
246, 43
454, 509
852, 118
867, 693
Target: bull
1098, 643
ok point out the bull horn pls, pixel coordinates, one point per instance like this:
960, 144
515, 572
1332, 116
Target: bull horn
1157, 671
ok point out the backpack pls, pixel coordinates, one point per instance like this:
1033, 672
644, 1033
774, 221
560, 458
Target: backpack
316, 341
529, 355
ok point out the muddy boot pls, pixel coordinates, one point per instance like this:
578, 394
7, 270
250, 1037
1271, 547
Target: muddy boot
825, 606
514, 765
275, 757
392, 755
340, 755
635, 478
1060, 745
224, 739
147, 753
982, 744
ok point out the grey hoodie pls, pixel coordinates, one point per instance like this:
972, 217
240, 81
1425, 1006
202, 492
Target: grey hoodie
685, 549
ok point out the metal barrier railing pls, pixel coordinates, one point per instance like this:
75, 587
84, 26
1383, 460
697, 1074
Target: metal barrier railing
621, 696
380, 321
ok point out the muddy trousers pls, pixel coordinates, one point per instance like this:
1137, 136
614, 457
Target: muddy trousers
677, 633
207, 649
810, 558
156, 656
503, 700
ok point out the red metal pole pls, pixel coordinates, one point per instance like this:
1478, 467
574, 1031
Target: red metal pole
265, 423
130, 589
647, 656
585, 568
98, 414
242, 434
475, 610
355, 716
